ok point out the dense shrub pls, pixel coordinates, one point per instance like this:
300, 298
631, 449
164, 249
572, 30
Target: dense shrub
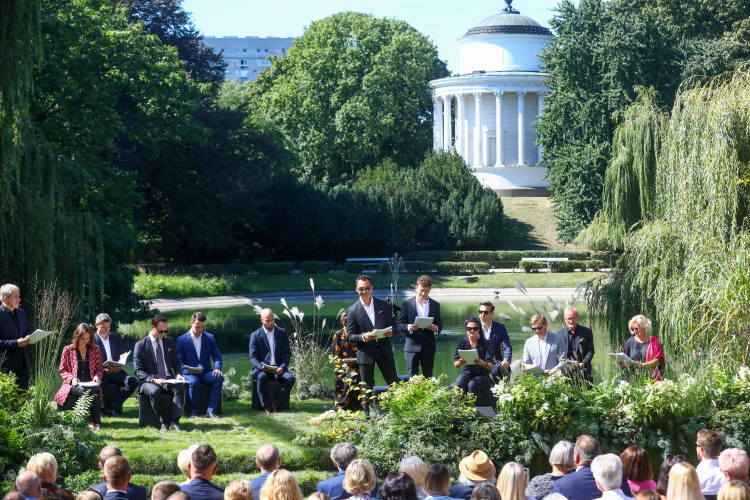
443, 268
531, 266
315, 267
353, 267
152, 286
239, 269
596, 265
274, 267
566, 266
452, 255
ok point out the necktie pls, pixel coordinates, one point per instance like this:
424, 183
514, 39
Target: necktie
160, 361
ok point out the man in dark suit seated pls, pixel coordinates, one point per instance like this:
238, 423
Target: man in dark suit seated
419, 347
156, 361
581, 484
202, 470
268, 460
111, 349
14, 336
117, 477
495, 332
342, 454
196, 348
270, 354
580, 342
364, 316
133, 491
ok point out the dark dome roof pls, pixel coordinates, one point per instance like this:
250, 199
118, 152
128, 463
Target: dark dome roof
509, 22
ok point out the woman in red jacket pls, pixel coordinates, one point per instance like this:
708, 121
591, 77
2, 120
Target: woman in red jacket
82, 370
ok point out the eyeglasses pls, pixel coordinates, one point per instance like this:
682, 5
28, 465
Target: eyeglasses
670, 457
163, 331
472, 328
636, 329
484, 312
364, 288
537, 328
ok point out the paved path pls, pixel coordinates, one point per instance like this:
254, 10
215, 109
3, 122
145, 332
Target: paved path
446, 294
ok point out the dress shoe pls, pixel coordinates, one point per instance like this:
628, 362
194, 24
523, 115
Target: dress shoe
114, 413
164, 428
266, 410
192, 416
274, 408
211, 415
175, 427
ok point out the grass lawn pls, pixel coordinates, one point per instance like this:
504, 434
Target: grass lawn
236, 437
530, 225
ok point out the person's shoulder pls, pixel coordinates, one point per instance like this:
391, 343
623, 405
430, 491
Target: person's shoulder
585, 329
168, 340
562, 331
497, 324
136, 487
278, 329
555, 338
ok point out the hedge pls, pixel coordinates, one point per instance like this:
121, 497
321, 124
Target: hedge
532, 266
565, 266
444, 268
513, 255
274, 268
490, 255
315, 266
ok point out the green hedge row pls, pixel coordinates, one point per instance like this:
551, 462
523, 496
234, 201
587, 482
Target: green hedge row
307, 267
490, 255
532, 266
444, 268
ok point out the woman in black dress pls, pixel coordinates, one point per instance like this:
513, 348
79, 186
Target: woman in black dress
347, 394
476, 376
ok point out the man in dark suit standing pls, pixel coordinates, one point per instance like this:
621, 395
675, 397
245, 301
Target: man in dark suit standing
202, 470
496, 333
270, 354
580, 342
117, 477
419, 347
14, 336
109, 345
364, 316
156, 361
134, 492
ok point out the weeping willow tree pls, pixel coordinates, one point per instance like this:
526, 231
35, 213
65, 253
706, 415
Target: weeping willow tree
686, 264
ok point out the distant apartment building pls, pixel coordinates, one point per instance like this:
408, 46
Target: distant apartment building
246, 57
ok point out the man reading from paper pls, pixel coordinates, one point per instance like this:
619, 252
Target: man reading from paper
270, 354
545, 349
196, 348
420, 346
111, 349
14, 336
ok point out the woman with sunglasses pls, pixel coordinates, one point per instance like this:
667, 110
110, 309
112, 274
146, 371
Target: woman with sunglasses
644, 349
475, 376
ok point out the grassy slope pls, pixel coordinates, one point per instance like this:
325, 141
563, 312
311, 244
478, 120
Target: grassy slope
530, 225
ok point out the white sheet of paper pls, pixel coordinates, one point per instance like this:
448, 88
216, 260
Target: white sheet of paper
534, 370
124, 358
38, 335
468, 355
175, 381
107, 364
622, 358
423, 322
192, 368
88, 384
571, 363
380, 334
270, 367
350, 360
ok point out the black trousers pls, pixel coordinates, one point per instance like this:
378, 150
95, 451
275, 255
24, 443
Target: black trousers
414, 359
165, 415
387, 368
121, 379
94, 411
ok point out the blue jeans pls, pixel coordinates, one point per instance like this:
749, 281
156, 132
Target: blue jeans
204, 377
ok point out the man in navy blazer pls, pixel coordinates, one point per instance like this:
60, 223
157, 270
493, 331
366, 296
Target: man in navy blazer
342, 454
111, 349
202, 470
496, 333
134, 492
14, 336
196, 348
419, 347
117, 477
269, 347
581, 484
268, 459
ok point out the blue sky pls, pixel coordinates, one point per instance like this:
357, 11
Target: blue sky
441, 20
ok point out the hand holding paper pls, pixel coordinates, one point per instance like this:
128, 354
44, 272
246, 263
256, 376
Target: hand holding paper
468, 355
423, 322
622, 359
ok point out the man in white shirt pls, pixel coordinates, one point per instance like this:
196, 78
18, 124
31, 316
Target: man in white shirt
546, 350
607, 471
420, 345
270, 354
109, 344
707, 448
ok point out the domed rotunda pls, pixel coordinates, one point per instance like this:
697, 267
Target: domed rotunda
487, 113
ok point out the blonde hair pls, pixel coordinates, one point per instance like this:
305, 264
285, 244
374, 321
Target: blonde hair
359, 476
240, 489
415, 467
533, 320
642, 321
45, 466
734, 490
684, 483
281, 485
183, 459
317, 495
511, 483
89, 495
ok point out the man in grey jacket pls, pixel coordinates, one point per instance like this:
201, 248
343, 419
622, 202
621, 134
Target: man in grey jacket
545, 349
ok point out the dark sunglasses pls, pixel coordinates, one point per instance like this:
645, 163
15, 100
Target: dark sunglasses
364, 288
160, 331
484, 312
472, 328
537, 328
679, 457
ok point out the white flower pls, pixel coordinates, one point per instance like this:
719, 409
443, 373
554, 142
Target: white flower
312, 284
257, 308
319, 301
553, 315
527, 329
322, 326
545, 407
564, 397
744, 373
503, 315
283, 302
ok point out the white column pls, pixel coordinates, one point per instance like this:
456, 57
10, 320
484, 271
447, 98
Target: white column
437, 117
460, 125
539, 114
447, 133
499, 129
521, 138
478, 130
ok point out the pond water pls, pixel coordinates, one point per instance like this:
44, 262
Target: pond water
233, 325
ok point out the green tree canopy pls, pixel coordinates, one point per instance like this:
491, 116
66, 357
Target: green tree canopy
353, 91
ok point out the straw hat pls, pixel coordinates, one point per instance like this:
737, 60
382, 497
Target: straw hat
477, 467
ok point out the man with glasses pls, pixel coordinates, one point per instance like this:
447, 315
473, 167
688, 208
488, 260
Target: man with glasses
156, 361
497, 334
579, 342
545, 349
364, 316
420, 346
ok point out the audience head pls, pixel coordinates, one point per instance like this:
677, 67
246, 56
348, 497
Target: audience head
281, 485
607, 471
415, 467
107, 452
28, 484
555, 496
240, 489
63, 494
684, 483
342, 454
183, 461
561, 456
512, 482
317, 495
45, 466
708, 445
398, 486
13, 495
734, 463
117, 473
734, 490
203, 462
90, 494
476, 468
164, 490
179, 495
666, 466
647, 495
437, 481
83, 335
585, 450
485, 491
268, 458
636, 465
359, 477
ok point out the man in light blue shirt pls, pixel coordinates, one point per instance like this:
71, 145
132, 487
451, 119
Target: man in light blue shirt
546, 350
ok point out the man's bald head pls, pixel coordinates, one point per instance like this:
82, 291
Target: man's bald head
267, 318
268, 458
586, 449
108, 452
28, 484
13, 495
